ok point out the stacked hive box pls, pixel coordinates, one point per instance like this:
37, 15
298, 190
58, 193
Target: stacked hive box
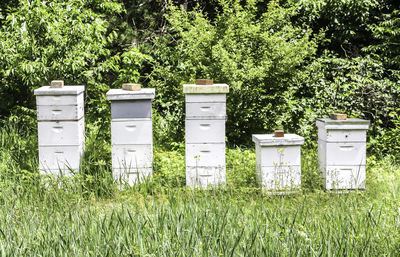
131, 134
61, 129
278, 162
342, 152
205, 134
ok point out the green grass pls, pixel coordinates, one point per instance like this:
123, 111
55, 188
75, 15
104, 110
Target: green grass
89, 216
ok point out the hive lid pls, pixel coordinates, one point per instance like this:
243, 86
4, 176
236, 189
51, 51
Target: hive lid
205, 89
120, 94
350, 123
66, 90
270, 140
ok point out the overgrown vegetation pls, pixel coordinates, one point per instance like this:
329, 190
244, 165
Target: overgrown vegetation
88, 215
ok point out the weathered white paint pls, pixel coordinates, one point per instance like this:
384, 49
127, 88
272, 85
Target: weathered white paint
61, 133
59, 112
131, 134
205, 98
344, 177
205, 176
212, 155
131, 156
66, 90
120, 94
61, 129
342, 153
206, 89
201, 131
132, 176
278, 162
205, 135
60, 157
131, 131
194, 110
279, 177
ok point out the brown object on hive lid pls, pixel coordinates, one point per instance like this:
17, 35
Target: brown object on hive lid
338, 116
204, 81
57, 84
279, 133
131, 86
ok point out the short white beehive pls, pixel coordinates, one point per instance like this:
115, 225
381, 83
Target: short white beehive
131, 133
278, 162
342, 153
61, 128
205, 134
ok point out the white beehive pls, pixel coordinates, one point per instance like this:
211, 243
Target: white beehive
205, 134
61, 129
342, 153
278, 162
131, 134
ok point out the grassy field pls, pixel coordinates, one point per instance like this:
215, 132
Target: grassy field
89, 216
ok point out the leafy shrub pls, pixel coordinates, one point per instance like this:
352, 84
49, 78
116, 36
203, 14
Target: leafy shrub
169, 167
74, 40
386, 142
240, 168
359, 87
386, 33
357, 67
345, 23
255, 54
310, 172
95, 172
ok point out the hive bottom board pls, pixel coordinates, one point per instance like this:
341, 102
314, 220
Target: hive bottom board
344, 177
60, 157
279, 178
132, 176
205, 177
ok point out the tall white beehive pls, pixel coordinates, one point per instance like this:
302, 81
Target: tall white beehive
278, 162
205, 134
131, 134
61, 129
342, 152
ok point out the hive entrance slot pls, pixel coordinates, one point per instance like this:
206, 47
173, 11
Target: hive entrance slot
205, 175
346, 147
205, 126
131, 127
58, 129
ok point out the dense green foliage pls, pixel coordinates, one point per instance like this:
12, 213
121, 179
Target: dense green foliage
70, 40
256, 55
42, 40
